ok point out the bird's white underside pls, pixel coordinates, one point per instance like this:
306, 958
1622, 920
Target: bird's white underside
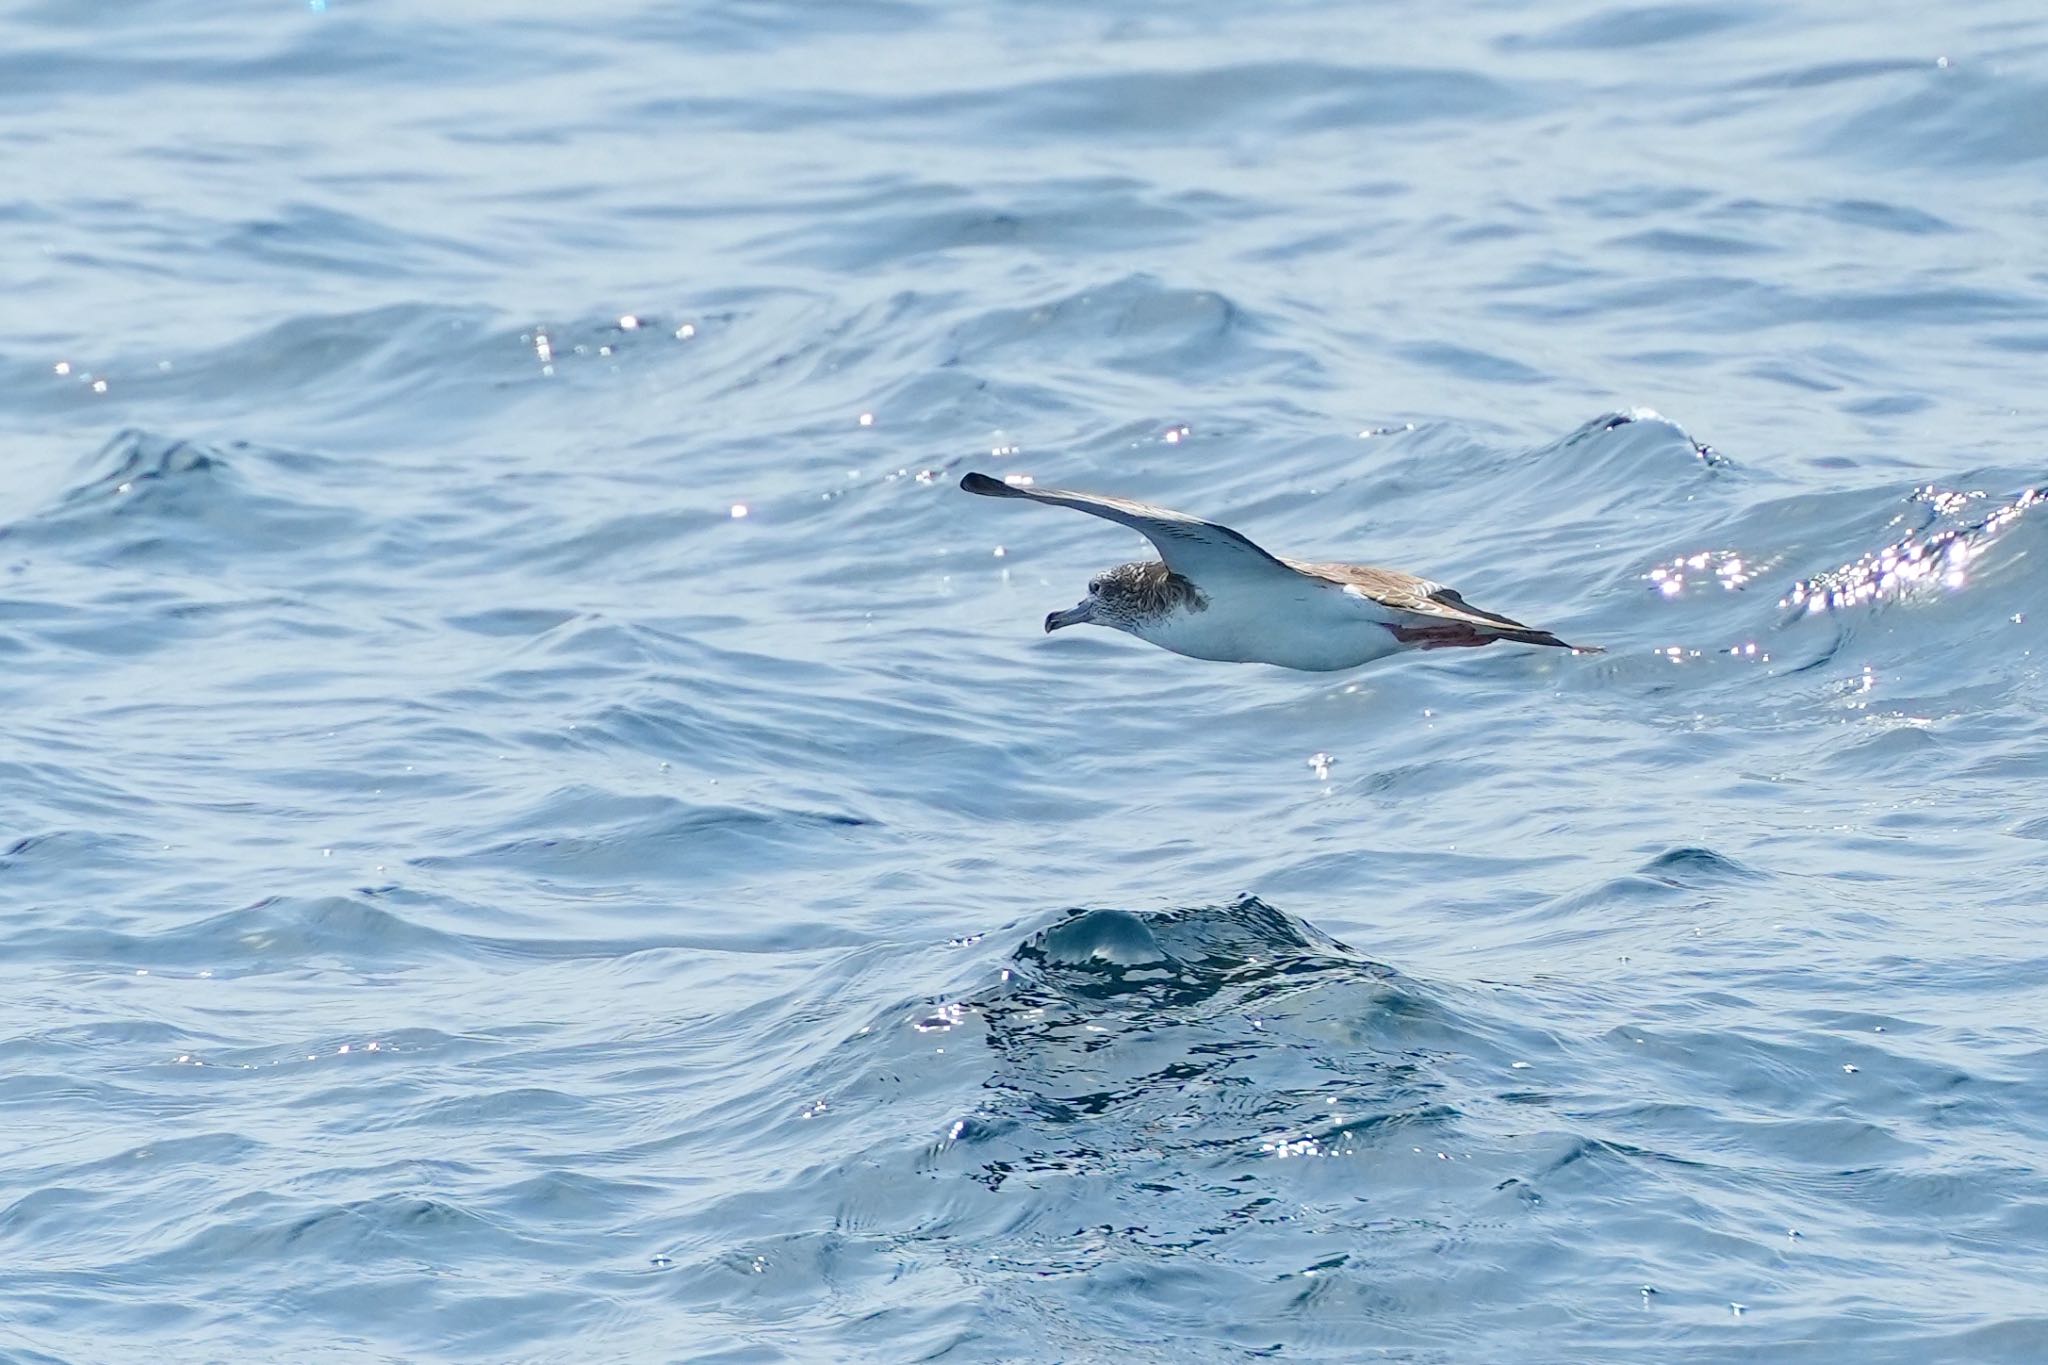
1306, 624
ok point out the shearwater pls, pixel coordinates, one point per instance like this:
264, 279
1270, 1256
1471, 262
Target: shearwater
1213, 594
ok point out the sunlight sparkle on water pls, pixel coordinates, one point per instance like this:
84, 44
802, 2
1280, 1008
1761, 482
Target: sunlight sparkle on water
1918, 561
1725, 567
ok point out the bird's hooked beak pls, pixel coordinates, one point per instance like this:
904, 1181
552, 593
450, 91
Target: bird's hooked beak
1072, 616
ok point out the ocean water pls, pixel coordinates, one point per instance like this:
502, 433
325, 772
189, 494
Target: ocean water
537, 823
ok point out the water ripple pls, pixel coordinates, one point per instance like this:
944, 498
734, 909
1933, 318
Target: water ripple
537, 823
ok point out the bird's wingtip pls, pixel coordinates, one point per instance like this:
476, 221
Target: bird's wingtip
982, 483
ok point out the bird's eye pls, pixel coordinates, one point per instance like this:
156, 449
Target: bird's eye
1094, 586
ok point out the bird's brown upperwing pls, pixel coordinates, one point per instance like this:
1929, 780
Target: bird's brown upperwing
1406, 592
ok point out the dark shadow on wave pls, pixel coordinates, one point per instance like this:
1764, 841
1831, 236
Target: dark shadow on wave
196, 505
1158, 1045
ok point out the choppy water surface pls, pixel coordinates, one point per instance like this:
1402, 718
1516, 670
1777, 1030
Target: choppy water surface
538, 824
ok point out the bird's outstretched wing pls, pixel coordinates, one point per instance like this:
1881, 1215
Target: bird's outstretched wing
1191, 547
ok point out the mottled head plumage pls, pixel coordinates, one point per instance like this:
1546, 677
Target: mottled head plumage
1130, 594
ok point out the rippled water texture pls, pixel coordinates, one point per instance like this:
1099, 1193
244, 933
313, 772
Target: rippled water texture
538, 824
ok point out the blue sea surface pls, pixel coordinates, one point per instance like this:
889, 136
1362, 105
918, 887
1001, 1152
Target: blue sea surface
538, 824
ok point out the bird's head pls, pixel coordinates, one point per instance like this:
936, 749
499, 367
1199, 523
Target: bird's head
1127, 597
